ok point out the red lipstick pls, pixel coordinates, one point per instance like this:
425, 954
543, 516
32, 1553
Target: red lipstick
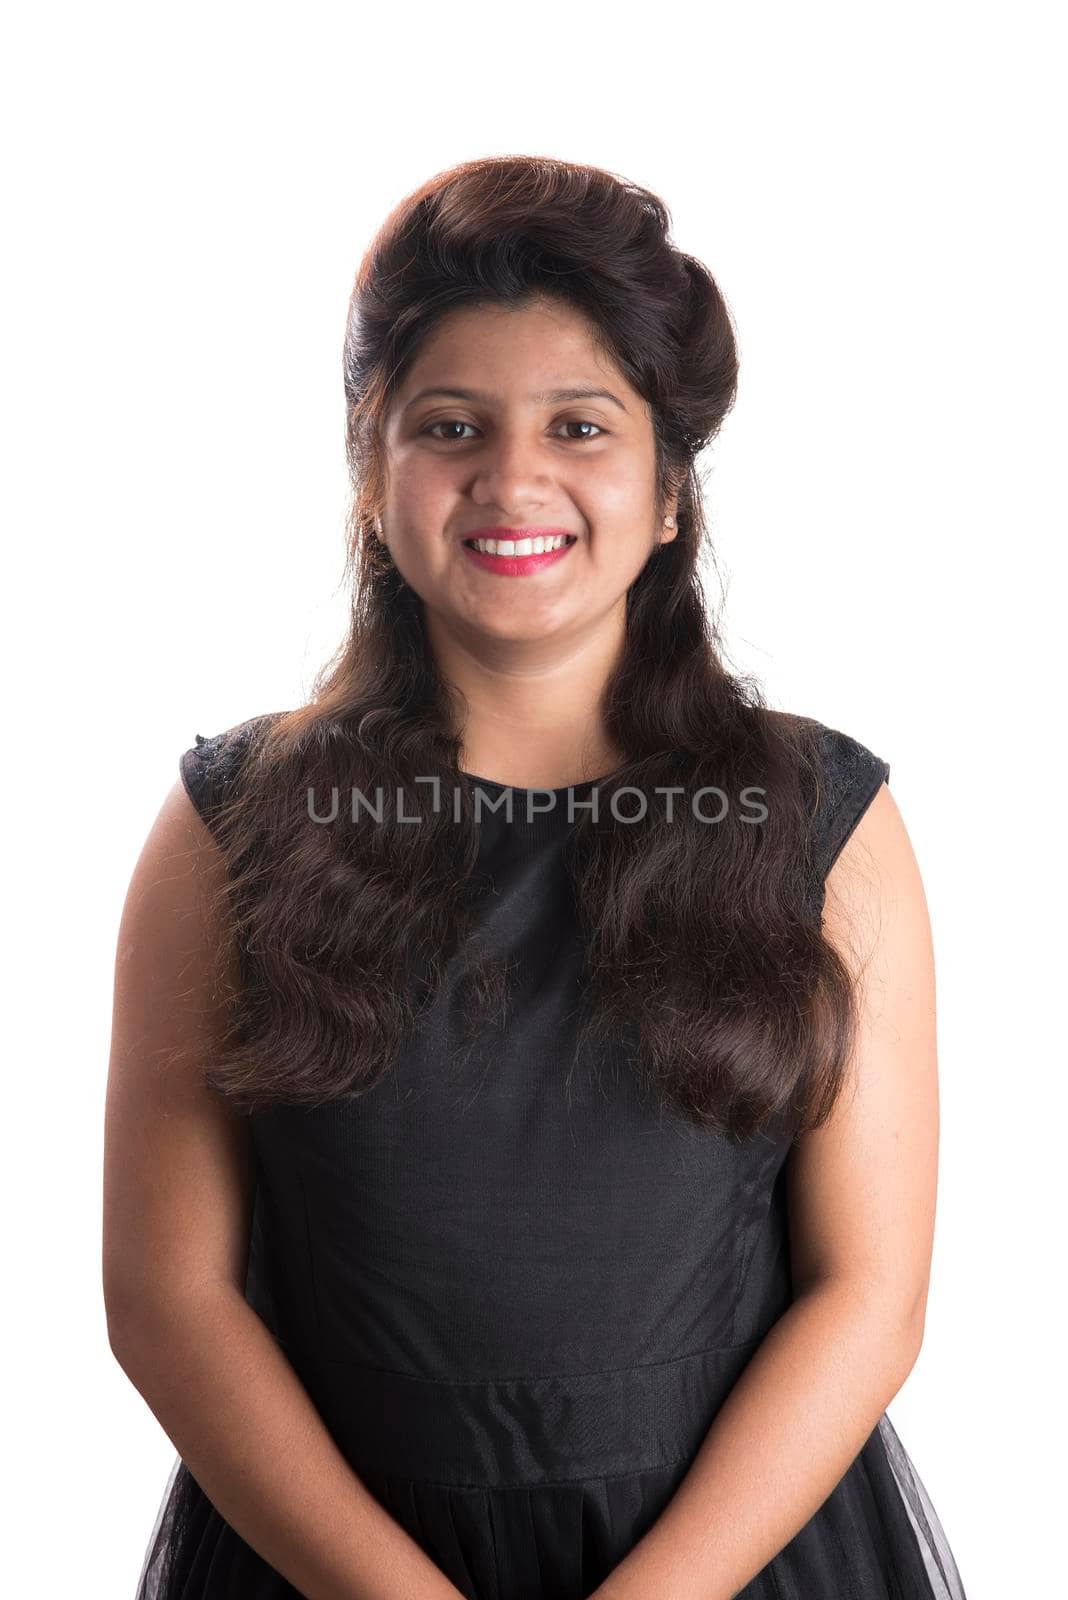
515, 564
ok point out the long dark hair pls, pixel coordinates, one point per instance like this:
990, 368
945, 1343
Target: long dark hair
702, 949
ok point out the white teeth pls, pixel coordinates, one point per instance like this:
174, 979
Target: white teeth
519, 547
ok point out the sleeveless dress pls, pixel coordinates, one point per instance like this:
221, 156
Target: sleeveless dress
517, 1305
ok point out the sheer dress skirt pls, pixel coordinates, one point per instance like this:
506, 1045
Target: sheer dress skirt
475, 1474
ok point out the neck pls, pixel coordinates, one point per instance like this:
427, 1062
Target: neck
529, 712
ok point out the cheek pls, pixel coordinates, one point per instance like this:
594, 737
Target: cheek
620, 496
427, 508
415, 518
420, 493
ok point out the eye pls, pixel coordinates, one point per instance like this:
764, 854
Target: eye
454, 422
583, 423
446, 422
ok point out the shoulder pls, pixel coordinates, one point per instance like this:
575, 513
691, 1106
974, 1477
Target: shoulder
210, 767
848, 777
843, 779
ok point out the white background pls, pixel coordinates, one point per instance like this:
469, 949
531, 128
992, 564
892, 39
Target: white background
188, 191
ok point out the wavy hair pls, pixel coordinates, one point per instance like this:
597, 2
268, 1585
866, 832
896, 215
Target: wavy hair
703, 950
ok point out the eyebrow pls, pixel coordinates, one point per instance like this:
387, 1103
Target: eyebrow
546, 397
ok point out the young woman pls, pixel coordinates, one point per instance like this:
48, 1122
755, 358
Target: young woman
522, 1121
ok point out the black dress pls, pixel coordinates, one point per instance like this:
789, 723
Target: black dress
518, 1307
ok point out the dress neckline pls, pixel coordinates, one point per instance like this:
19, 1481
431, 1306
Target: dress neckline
493, 783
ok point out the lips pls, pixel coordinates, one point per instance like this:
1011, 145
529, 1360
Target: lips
513, 565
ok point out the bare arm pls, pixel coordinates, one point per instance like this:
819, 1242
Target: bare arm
177, 1212
862, 1205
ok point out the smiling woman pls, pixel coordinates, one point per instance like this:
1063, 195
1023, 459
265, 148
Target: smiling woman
537, 1201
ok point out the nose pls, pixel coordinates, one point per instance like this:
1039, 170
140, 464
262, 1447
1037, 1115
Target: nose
510, 474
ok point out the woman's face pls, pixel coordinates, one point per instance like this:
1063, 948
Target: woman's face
507, 455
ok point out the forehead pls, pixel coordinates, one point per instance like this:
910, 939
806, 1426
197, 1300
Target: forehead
533, 355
